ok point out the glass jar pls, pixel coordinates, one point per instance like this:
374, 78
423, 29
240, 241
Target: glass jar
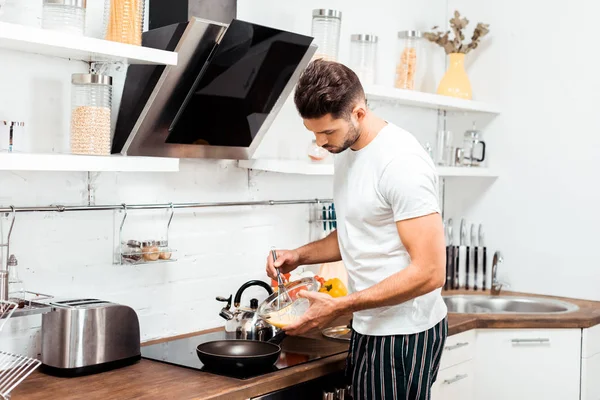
363, 57
316, 152
164, 250
150, 250
326, 26
90, 114
131, 252
410, 67
64, 16
473, 148
125, 21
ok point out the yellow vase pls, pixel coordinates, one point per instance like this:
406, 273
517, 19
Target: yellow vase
455, 82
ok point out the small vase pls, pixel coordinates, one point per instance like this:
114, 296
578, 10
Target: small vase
455, 82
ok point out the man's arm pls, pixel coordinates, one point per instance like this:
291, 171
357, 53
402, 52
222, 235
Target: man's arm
320, 251
424, 240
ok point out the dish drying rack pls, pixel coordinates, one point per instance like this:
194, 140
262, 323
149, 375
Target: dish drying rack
13, 368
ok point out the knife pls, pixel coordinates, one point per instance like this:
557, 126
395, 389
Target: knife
324, 219
330, 218
333, 216
483, 256
456, 249
464, 235
447, 232
475, 249
461, 255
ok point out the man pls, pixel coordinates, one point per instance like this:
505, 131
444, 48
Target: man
389, 236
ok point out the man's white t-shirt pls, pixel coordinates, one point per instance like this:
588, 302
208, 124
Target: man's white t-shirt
391, 179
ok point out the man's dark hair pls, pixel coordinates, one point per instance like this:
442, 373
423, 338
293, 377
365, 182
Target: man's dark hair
327, 87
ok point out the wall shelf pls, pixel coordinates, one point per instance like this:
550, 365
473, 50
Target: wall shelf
312, 168
427, 100
50, 43
72, 162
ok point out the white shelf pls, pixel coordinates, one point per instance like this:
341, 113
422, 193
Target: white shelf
309, 168
42, 41
71, 162
427, 100
288, 166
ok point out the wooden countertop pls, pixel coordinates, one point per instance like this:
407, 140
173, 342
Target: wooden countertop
154, 380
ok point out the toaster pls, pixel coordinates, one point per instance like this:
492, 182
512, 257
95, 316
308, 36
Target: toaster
86, 336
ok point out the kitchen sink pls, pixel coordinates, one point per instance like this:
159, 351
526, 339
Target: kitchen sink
481, 304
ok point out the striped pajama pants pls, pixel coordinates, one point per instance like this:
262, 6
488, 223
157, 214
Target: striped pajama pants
400, 367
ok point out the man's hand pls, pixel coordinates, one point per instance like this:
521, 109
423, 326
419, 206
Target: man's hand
323, 309
287, 261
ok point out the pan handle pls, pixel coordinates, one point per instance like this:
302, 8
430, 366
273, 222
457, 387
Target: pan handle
278, 338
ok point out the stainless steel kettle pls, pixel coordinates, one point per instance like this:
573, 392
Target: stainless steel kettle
244, 321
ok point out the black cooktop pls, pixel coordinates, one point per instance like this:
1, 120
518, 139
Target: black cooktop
295, 351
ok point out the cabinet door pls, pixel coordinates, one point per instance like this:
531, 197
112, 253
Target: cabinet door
454, 383
528, 364
590, 372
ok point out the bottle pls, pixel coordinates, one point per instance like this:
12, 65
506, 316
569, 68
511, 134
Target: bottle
15, 284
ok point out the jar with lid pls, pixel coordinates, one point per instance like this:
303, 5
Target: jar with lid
363, 57
124, 21
326, 25
473, 148
410, 66
150, 250
131, 252
64, 16
316, 152
164, 252
90, 114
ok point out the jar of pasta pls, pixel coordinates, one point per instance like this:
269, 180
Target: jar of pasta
410, 64
91, 99
124, 21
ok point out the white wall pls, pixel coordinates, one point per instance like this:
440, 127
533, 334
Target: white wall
539, 66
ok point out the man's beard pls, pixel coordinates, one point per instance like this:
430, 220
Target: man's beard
351, 137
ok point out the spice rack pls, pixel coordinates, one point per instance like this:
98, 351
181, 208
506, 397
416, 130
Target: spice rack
13, 368
135, 252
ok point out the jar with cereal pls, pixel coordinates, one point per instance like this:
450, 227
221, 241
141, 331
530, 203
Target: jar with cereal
90, 114
410, 64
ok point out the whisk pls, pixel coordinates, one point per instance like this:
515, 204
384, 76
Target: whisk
283, 297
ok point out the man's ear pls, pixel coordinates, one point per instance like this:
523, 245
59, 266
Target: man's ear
360, 112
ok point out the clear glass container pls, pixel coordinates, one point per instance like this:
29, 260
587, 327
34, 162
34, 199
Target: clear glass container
64, 16
150, 250
124, 21
15, 284
90, 114
363, 57
316, 152
473, 148
131, 252
279, 312
22, 12
410, 64
326, 26
164, 250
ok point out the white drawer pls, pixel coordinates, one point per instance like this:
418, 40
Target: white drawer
591, 341
458, 348
455, 383
590, 371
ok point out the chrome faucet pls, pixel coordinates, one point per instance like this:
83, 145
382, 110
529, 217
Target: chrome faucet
496, 284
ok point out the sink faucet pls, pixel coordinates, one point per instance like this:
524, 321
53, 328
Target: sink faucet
496, 284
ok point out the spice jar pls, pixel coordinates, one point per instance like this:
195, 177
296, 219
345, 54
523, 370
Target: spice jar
124, 21
326, 26
316, 152
150, 250
164, 250
410, 66
64, 16
90, 114
363, 57
131, 252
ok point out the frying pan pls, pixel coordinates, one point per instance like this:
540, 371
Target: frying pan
240, 355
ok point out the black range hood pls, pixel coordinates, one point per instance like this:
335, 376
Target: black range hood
229, 83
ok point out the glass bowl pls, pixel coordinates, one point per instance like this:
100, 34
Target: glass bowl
281, 311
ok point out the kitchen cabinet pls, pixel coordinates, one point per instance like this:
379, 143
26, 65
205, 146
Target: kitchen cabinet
590, 363
455, 383
528, 364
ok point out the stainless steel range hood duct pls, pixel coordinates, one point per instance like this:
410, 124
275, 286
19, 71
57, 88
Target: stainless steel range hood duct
219, 101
